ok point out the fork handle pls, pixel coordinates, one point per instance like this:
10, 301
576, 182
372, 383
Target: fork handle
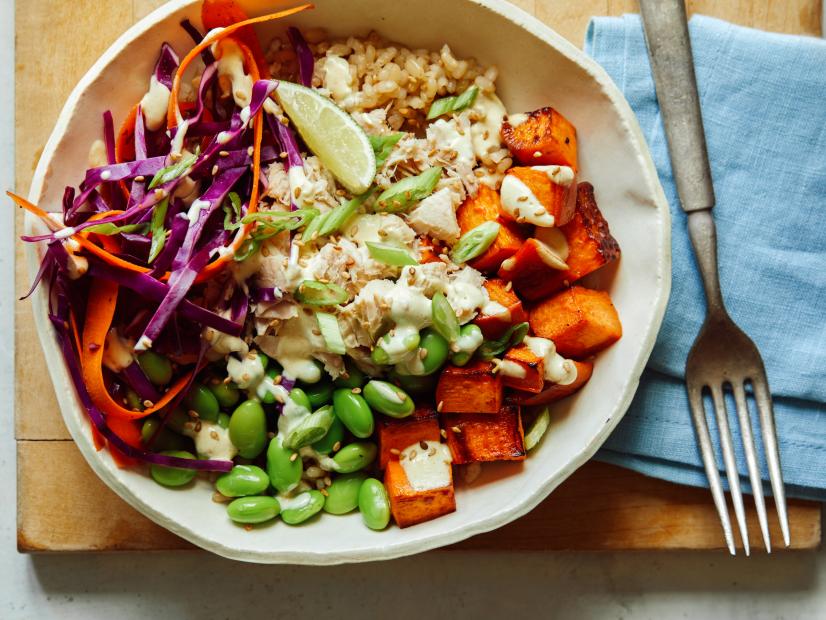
669, 48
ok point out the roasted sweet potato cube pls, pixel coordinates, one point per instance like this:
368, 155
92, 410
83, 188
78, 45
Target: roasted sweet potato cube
543, 136
494, 325
474, 388
397, 434
554, 188
409, 506
531, 268
580, 321
474, 437
483, 207
583, 375
430, 250
522, 369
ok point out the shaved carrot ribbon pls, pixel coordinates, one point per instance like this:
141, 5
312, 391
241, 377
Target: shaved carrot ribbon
100, 309
222, 13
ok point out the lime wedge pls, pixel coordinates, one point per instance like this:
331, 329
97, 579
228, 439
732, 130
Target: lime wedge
331, 134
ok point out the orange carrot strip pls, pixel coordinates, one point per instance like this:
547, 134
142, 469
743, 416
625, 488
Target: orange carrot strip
125, 142
100, 308
130, 432
223, 13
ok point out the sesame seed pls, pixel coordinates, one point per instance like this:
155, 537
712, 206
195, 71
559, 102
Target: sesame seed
325, 493
537, 153
432, 451
223, 153
198, 426
440, 406
337, 446
283, 154
215, 170
293, 456
413, 454
250, 151
148, 403
356, 390
140, 178
456, 430
443, 433
539, 212
509, 285
213, 435
248, 528
422, 353
220, 498
193, 414
522, 199
395, 451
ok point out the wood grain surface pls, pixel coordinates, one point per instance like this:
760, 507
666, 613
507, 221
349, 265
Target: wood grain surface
600, 507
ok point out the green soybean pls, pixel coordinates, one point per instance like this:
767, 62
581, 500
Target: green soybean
163, 439
320, 393
353, 377
374, 504
248, 429
283, 468
334, 435
177, 419
311, 429
437, 351
253, 509
355, 456
304, 506
203, 402
243, 480
343, 494
156, 367
388, 399
465, 346
223, 420
417, 384
269, 396
133, 401
300, 398
354, 412
173, 476
227, 394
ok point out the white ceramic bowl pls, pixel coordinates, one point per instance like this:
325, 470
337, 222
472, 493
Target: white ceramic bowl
536, 67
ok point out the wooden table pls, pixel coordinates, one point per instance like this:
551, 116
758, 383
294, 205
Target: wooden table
63, 506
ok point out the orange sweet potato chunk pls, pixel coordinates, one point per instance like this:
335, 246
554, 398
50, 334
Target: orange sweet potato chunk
474, 437
545, 137
532, 367
485, 206
558, 200
409, 506
580, 321
584, 370
474, 388
397, 434
531, 269
495, 325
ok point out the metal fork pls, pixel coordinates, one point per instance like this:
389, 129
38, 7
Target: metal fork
722, 354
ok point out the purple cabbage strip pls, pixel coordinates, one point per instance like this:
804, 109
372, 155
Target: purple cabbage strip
109, 219
167, 66
116, 196
180, 282
207, 128
288, 143
55, 257
136, 379
140, 135
306, 62
156, 291
265, 294
196, 36
177, 233
239, 305
68, 198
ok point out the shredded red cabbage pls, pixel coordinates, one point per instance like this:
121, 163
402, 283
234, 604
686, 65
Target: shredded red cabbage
136, 379
140, 135
306, 61
166, 66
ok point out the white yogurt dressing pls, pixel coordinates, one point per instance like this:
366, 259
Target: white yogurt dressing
231, 65
485, 131
494, 308
509, 368
427, 468
521, 203
211, 440
557, 368
294, 348
246, 372
337, 79
514, 120
468, 343
195, 209
154, 105
292, 416
117, 351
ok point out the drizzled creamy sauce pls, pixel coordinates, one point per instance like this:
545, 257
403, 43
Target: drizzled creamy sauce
557, 368
154, 105
521, 203
292, 415
211, 440
427, 468
293, 349
195, 209
514, 120
247, 372
554, 239
508, 368
231, 65
302, 500
468, 343
337, 79
485, 131
117, 351
493, 308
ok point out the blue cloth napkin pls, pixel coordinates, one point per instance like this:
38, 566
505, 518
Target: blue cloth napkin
763, 98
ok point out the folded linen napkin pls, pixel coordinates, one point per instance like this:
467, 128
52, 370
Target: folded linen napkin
763, 99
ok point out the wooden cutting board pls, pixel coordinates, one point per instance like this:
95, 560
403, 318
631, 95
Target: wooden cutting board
62, 506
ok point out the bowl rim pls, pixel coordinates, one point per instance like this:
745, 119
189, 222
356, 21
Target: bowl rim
59, 375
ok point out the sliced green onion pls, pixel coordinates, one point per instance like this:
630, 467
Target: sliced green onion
444, 318
108, 229
315, 293
310, 232
537, 429
274, 222
390, 254
337, 219
328, 324
403, 194
383, 145
165, 175
474, 242
247, 249
232, 212
446, 105
158, 230
514, 336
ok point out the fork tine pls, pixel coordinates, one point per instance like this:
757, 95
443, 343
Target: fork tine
731, 465
698, 412
764, 406
751, 460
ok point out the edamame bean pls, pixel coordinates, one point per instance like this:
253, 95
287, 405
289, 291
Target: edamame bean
416, 384
355, 456
243, 480
320, 393
269, 395
156, 367
374, 504
227, 394
302, 507
223, 420
161, 440
311, 429
253, 509
399, 342
172, 476
470, 337
203, 402
354, 377
354, 412
437, 351
248, 429
133, 401
284, 467
388, 399
300, 398
343, 494
335, 435
177, 419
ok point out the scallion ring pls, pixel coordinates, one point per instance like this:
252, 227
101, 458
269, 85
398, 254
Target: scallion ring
315, 293
474, 242
390, 254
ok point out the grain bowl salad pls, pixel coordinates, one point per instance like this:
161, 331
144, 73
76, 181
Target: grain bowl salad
326, 275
